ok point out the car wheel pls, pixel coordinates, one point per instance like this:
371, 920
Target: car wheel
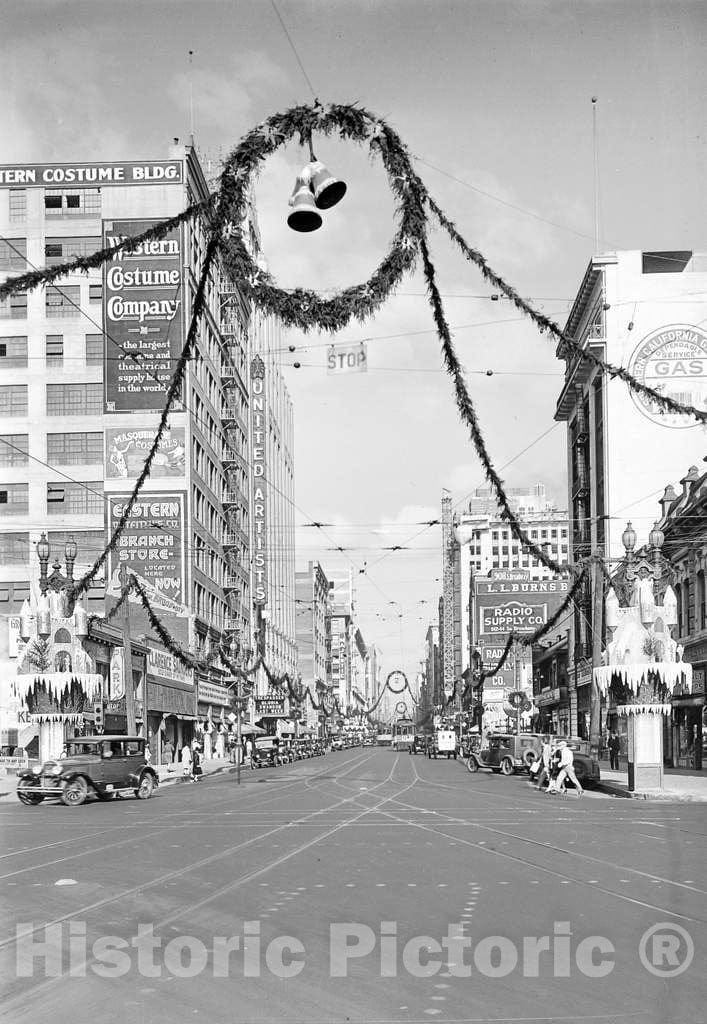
75, 792
146, 787
529, 757
472, 764
25, 794
507, 766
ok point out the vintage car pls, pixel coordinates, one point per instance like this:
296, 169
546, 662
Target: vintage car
509, 753
102, 766
505, 752
444, 741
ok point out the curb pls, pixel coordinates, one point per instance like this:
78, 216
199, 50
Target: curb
613, 789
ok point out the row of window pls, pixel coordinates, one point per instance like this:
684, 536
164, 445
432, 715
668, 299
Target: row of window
13, 251
65, 497
15, 547
62, 399
81, 447
13, 350
80, 202
506, 535
59, 303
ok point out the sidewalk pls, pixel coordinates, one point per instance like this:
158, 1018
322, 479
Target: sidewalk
679, 785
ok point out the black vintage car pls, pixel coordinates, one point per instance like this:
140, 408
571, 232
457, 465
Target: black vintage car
101, 766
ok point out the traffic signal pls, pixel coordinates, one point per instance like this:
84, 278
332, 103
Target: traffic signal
98, 717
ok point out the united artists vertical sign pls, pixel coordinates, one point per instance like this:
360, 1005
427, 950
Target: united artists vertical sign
258, 435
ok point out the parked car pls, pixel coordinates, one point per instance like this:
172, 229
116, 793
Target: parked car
506, 752
101, 766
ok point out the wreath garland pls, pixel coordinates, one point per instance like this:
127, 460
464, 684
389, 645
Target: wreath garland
224, 212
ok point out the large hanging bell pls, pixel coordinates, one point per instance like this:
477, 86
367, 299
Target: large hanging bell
304, 215
327, 189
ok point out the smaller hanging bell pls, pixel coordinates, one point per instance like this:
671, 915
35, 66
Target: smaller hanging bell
304, 215
327, 189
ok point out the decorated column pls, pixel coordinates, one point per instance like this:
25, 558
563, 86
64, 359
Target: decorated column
642, 666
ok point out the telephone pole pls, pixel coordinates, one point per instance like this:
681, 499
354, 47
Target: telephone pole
131, 725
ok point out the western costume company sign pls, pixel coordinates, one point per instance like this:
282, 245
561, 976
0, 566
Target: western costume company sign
673, 361
258, 443
142, 317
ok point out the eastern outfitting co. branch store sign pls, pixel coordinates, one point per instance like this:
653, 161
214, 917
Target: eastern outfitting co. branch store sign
504, 607
259, 434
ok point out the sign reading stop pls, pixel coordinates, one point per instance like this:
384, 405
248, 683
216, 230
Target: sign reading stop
347, 358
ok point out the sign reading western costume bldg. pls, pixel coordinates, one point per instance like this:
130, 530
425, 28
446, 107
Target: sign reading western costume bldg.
148, 172
142, 317
259, 511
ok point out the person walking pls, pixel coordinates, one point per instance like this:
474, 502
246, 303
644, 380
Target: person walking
196, 769
567, 769
552, 785
545, 758
249, 750
168, 752
614, 746
186, 763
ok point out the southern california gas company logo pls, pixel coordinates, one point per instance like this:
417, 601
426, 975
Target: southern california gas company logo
672, 361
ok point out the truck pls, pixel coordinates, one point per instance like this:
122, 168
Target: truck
444, 742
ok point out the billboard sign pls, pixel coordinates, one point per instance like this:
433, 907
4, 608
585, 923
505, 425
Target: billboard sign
504, 606
126, 451
143, 317
673, 361
153, 547
146, 172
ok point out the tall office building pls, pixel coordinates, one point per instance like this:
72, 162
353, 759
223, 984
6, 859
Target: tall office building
312, 603
84, 369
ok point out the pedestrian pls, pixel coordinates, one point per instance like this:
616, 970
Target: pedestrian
543, 774
186, 763
249, 751
552, 785
567, 769
196, 770
168, 752
614, 746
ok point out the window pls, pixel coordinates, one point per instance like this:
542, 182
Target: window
94, 349
75, 498
13, 352
13, 596
95, 292
75, 448
14, 548
14, 307
74, 399
89, 545
14, 499
75, 203
701, 602
59, 250
13, 451
13, 253
13, 400
55, 350
63, 302
18, 204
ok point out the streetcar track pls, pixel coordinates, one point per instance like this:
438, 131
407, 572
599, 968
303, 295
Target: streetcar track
198, 865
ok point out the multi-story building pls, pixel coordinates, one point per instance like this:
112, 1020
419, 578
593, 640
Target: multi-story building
311, 605
643, 311
359, 670
85, 365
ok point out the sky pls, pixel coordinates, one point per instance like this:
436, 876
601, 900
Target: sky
494, 100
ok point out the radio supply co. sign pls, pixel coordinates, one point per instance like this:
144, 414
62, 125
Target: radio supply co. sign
504, 606
673, 361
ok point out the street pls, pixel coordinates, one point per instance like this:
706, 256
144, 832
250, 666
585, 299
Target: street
299, 897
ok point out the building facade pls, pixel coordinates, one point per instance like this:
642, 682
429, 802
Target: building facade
312, 603
641, 310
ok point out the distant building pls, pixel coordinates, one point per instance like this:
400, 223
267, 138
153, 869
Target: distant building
311, 605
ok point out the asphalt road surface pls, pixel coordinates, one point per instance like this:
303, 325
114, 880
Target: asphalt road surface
365, 886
